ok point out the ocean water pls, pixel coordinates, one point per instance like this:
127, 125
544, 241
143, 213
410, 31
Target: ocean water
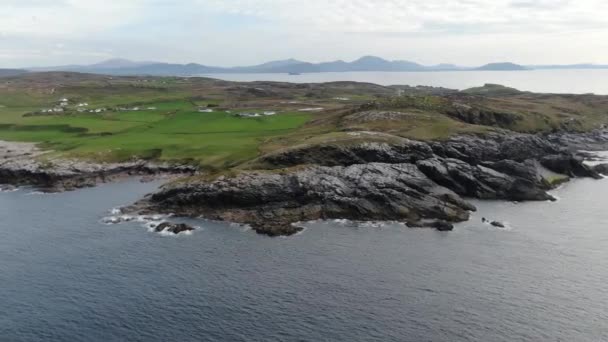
65, 276
542, 81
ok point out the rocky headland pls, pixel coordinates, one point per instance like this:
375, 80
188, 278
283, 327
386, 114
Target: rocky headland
424, 184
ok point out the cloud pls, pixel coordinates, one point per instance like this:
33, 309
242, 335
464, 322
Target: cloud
416, 16
66, 18
229, 32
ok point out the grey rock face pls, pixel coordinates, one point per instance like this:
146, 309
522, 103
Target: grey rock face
484, 182
271, 202
407, 151
569, 165
496, 147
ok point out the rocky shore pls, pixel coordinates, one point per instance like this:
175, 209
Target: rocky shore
424, 184
23, 164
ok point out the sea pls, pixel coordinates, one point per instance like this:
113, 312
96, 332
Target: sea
65, 275
542, 81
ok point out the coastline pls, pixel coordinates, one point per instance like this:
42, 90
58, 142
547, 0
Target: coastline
422, 184
430, 190
24, 164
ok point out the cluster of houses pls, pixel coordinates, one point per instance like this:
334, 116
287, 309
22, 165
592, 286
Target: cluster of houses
254, 114
314, 109
134, 109
58, 108
62, 106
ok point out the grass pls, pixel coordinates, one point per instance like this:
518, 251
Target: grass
168, 127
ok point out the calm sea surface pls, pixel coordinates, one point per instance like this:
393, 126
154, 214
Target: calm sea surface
64, 276
543, 81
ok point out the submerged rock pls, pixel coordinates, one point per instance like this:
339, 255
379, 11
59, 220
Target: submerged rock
497, 224
440, 225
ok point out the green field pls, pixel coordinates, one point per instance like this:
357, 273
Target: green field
171, 131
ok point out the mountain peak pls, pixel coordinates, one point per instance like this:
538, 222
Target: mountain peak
370, 59
118, 63
502, 66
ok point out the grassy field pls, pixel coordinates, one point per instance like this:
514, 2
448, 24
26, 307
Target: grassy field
170, 130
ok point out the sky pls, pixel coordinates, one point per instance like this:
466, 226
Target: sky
247, 32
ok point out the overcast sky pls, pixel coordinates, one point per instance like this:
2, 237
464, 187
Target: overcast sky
243, 32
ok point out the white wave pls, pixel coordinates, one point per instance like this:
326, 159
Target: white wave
372, 224
115, 211
111, 220
37, 193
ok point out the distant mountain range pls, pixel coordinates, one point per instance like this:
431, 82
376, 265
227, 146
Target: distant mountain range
292, 66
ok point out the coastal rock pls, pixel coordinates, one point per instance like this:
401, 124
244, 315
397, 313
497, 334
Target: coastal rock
403, 151
495, 147
270, 202
601, 169
174, 228
479, 181
569, 165
25, 164
596, 140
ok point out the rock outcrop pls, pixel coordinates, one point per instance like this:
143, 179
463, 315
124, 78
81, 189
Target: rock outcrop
601, 169
271, 202
484, 182
174, 228
420, 183
569, 165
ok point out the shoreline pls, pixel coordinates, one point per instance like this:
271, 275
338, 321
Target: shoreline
24, 164
420, 184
